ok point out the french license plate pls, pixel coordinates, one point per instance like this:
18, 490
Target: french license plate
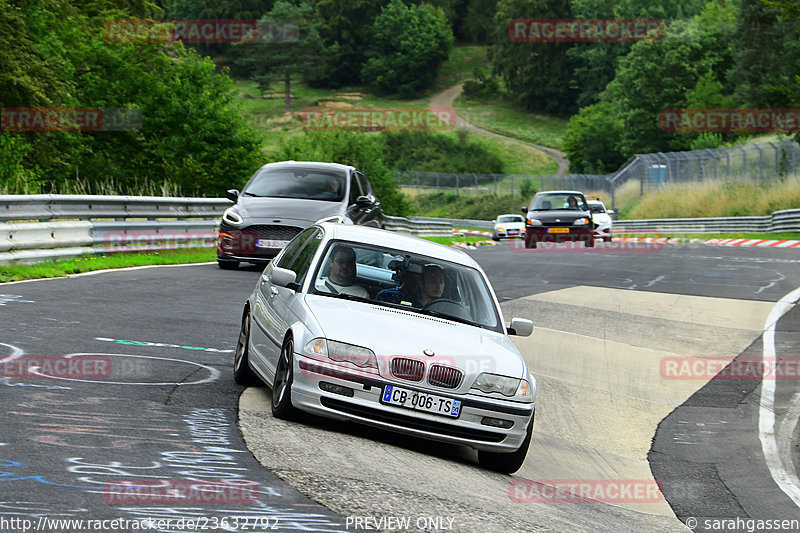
421, 401
513, 231
269, 243
557, 230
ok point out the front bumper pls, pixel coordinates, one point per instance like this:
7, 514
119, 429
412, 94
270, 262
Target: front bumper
364, 407
510, 234
541, 234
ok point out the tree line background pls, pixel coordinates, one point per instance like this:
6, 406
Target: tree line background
53, 53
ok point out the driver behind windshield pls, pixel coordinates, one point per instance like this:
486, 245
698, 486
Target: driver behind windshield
342, 263
431, 284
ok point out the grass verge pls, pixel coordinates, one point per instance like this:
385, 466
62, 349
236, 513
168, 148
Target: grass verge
56, 269
501, 117
718, 199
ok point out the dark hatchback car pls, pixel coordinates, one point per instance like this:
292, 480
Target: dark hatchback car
282, 199
558, 216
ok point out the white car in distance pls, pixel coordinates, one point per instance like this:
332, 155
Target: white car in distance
508, 226
601, 217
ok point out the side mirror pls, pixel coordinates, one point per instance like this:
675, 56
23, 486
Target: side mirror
232, 195
283, 277
363, 201
610, 212
524, 210
520, 327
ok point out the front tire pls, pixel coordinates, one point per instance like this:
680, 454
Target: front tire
242, 373
530, 241
589, 242
282, 386
228, 265
507, 463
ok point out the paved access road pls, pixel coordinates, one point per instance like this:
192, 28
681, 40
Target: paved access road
164, 406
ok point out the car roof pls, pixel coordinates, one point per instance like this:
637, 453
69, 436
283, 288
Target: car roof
390, 239
510, 215
308, 164
558, 192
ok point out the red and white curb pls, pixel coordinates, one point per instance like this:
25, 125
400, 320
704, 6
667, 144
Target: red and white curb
753, 242
712, 242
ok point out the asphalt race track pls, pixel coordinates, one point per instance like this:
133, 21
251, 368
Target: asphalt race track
146, 394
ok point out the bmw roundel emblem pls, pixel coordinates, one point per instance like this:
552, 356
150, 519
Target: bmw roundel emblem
428, 352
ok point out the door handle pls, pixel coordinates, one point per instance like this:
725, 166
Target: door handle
273, 290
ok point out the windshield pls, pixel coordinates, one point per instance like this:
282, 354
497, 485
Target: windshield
302, 183
597, 208
506, 219
400, 279
546, 202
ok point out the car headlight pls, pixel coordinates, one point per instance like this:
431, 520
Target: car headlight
534, 222
336, 219
231, 216
518, 389
342, 352
581, 222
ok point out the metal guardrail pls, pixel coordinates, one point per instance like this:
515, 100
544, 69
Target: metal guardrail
105, 224
786, 221
421, 228
80, 207
40, 233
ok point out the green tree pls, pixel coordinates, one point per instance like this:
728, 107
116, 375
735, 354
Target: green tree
297, 52
346, 25
538, 76
408, 45
190, 132
592, 139
767, 56
478, 23
658, 75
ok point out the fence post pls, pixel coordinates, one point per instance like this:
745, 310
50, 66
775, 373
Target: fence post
744, 160
457, 191
760, 163
777, 158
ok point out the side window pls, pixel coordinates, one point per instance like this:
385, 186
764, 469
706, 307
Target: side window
288, 253
355, 188
302, 262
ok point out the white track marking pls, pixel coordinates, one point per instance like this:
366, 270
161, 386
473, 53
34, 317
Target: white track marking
782, 472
